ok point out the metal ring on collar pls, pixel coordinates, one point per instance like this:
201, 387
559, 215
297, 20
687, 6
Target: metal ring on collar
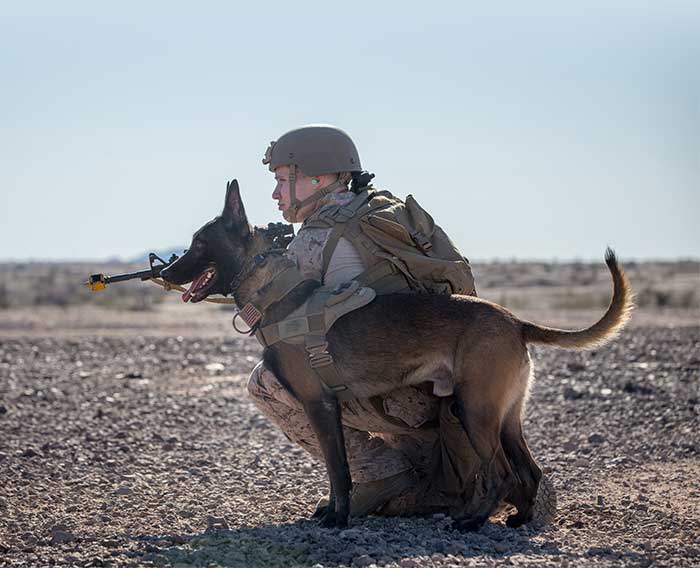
251, 329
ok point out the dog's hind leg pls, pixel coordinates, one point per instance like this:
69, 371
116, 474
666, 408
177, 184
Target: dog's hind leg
494, 479
487, 383
529, 473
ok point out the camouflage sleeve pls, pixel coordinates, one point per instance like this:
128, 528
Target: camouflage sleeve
306, 249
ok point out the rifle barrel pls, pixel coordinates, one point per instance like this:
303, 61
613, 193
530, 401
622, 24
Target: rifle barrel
142, 274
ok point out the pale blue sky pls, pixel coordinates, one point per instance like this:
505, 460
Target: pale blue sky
528, 129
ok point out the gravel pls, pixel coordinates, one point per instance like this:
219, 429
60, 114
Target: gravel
140, 451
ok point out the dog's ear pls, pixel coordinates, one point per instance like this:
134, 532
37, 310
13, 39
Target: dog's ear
234, 217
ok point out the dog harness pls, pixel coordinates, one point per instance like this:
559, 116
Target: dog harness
308, 325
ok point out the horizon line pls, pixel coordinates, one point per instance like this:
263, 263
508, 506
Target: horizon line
473, 260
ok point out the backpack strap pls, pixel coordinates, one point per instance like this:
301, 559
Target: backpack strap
383, 272
340, 217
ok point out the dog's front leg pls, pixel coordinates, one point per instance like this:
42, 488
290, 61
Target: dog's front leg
291, 367
325, 418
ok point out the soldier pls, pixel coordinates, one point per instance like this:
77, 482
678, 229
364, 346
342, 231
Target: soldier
407, 451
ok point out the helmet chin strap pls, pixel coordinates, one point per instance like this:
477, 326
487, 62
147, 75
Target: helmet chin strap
297, 205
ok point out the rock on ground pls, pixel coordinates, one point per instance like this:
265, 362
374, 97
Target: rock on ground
137, 451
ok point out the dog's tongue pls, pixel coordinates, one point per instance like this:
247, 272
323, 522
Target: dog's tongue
196, 283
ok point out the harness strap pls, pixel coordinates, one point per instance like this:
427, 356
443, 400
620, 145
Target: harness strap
293, 327
385, 276
277, 289
322, 363
310, 328
316, 345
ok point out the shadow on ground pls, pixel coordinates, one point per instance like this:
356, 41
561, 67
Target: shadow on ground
372, 541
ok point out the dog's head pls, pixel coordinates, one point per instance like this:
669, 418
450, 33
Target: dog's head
217, 252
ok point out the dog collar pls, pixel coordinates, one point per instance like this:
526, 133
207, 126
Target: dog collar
281, 285
250, 315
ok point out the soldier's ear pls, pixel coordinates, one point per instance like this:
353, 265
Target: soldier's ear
234, 217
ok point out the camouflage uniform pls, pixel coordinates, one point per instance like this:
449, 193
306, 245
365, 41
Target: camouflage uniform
383, 436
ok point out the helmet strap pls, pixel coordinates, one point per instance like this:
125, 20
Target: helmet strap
321, 192
342, 181
295, 204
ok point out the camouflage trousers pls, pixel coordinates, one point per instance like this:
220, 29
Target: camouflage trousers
408, 429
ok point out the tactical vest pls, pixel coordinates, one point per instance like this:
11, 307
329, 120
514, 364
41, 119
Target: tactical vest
404, 252
399, 243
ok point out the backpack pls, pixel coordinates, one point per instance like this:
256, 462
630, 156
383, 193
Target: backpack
399, 243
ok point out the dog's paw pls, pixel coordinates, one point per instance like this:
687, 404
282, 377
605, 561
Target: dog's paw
467, 525
327, 519
331, 520
341, 521
516, 520
320, 512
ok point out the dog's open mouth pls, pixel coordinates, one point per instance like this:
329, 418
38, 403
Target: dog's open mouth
198, 290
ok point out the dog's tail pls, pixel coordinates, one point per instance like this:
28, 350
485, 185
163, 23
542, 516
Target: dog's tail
603, 330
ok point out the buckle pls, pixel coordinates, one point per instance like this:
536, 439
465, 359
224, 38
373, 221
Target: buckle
422, 241
320, 360
342, 292
319, 356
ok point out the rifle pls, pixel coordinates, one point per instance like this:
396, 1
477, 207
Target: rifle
100, 281
280, 233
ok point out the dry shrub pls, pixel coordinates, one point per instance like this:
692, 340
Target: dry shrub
651, 297
62, 284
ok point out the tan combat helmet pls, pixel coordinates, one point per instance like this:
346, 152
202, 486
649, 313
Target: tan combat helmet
315, 149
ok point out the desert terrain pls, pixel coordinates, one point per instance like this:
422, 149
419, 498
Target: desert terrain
127, 437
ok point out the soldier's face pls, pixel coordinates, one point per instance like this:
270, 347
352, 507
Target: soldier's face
303, 188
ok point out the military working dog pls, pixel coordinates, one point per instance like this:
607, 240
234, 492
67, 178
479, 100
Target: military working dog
396, 340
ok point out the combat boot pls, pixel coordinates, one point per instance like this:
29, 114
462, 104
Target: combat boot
369, 497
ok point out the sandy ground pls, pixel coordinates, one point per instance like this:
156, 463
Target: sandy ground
128, 439
173, 318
